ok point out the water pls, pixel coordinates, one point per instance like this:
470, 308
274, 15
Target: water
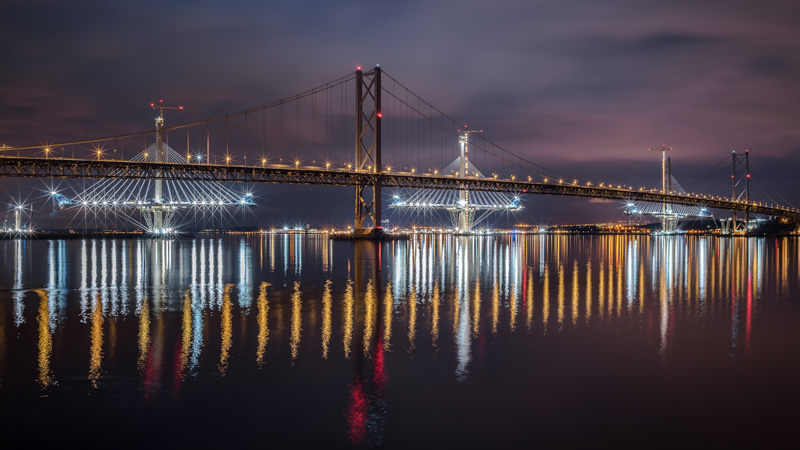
296, 341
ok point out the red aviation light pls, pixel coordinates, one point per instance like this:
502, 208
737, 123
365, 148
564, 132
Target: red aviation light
748, 175
153, 105
379, 114
180, 107
358, 68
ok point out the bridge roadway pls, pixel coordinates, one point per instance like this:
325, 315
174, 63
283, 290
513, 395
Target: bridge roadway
283, 174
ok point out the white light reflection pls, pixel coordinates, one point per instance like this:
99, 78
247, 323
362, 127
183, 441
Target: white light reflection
663, 296
84, 277
298, 254
18, 294
157, 274
400, 269
56, 283
220, 284
245, 286
212, 302
272, 253
512, 265
114, 289
285, 245
93, 287
139, 287
631, 263
463, 335
702, 268
104, 300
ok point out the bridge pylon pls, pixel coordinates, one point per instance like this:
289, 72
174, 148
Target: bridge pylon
669, 220
368, 150
464, 212
160, 223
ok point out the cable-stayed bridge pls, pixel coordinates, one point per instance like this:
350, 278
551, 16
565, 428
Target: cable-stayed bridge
365, 130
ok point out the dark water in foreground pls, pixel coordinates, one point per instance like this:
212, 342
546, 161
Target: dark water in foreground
296, 341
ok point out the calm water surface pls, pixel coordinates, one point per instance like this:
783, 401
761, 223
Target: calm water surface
296, 341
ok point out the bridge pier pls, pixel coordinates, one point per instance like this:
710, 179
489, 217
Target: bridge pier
669, 224
726, 226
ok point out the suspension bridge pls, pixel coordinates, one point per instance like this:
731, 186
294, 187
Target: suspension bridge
401, 142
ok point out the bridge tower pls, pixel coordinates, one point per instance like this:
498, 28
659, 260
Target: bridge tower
463, 210
669, 220
157, 223
741, 190
368, 150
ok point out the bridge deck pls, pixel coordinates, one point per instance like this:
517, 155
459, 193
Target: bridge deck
115, 169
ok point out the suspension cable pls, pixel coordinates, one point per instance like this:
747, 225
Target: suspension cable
296, 97
771, 187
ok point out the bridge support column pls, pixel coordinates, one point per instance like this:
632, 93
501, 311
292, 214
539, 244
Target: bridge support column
669, 224
158, 218
725, 226
368, 152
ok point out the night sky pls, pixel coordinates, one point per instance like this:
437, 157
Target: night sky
581, 87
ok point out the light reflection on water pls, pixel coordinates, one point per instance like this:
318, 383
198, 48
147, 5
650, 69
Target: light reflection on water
263, 325
184, 307
45, 340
